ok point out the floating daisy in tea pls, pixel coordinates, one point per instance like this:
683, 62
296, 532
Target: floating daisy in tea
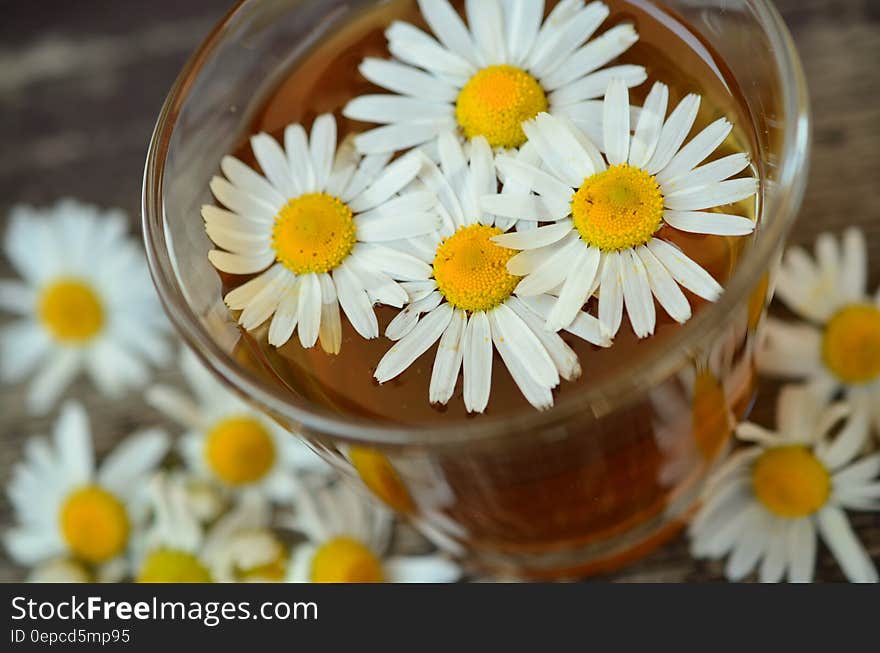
766, 504
230, 443
314, 228
467, 302
486, 78
85, 303
607, 210
347, 538
65, 506
839, 349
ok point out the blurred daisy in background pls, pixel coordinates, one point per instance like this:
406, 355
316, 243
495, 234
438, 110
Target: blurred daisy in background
242, 547
839, 348
467, 301
73, 517
486, 78
171, 549
608, 210
766, 504
84, 302
315, 230
347, 537
230, 443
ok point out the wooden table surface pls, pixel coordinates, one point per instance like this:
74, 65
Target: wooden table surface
81, 84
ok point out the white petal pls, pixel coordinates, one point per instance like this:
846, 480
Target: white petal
534, 179
394, 263
355, 303
344, 166
516, 334
447, 363
330, 334
450, 29
406, 320
584, 326
411, 45
52, 380
594, 85
248, 180
552, 273
322, 145
674, 131
801, 548
421, 569
72, 437
523, 22
697, 150
854, 268
521, 206
393, 179
844, 544
477, 362
637, 294
702, 222
581, 283
299, 161
309, 310
264, 303
592, 56
688, 273
134, 458
487, 24
792, 350
386, 109
396, 227
707, 174
243, 295
664, 287
551, 150
401, 136
404, 352
520, 363
707, 197
649, 125
22, 346
274, 164
615, 118
406, 80
240, 263
564, 30
535, 238
611, 294
286, 314
568, 148
563, 356
241, 202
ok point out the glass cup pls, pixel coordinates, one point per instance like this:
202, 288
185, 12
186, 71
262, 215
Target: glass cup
607, 474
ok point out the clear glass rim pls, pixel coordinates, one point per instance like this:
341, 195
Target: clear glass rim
594, 401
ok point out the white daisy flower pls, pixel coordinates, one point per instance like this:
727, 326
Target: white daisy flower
170, 550
486, 78
348, 535
467, 302
319, 220
839, 349
85, 302
607, 210
229, 442
767, 502
66, 507
179, 548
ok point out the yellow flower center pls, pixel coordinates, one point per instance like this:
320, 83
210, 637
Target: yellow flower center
381, 478
471, 270
71, 310
345, 560
619, 208
94, 524
790, 481
710, 422
496, 102
173, 566
313, 233
851, 345
239, 450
